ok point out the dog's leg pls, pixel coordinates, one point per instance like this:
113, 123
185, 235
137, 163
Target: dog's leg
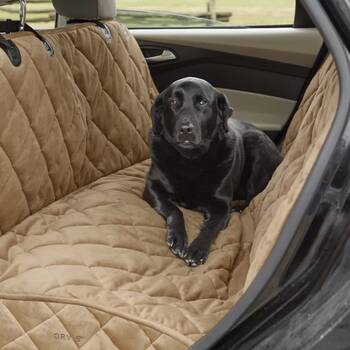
214, 222
238, 206
176, 237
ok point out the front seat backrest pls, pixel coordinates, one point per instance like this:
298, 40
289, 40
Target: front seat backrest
86, 9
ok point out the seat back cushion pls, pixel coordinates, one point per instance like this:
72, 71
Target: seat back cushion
72, 118
304, 140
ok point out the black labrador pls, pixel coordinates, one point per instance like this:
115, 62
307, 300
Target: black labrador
202, 159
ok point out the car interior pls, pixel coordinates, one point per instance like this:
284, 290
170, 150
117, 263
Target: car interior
83, 259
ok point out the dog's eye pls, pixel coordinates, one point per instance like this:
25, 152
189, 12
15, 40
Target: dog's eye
172, 102
202, 101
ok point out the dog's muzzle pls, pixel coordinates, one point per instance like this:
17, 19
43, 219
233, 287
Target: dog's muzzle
186, 135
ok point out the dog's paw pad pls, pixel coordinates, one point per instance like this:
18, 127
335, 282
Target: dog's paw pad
183, 252
177, 244
179, 251
196, 256
170, 241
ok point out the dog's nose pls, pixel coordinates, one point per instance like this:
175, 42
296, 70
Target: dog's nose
187, 128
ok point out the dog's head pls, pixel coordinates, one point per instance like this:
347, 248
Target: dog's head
190, 113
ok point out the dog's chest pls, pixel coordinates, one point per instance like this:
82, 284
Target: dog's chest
191, 190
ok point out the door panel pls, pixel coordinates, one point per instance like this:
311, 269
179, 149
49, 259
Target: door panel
266, 112
288, 45
225, 70
261, 70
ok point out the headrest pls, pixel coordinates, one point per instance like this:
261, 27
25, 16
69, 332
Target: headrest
86, 9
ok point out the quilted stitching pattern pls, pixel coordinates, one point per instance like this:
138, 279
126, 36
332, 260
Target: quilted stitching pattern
301, 147
90, 127
83, 264
65, 326
89, 246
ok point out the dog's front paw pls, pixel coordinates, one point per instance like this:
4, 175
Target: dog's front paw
177, 242
197, 253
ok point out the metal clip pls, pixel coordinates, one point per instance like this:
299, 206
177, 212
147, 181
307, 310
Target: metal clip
22, 13
106, 31
49, 48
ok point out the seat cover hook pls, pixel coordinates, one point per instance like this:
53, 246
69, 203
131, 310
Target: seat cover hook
22, 13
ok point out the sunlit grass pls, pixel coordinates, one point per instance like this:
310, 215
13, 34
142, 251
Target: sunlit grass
244, 12
46, 8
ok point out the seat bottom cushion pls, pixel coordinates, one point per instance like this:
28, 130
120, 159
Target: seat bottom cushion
94, 265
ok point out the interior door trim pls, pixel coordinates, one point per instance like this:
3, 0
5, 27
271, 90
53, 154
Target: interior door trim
267, 113
298, 46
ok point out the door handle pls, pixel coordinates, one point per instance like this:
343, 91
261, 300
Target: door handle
165, 56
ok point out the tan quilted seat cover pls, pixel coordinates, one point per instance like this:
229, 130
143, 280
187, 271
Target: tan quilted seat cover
83, 263
70, 119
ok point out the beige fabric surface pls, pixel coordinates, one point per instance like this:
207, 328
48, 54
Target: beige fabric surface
83, 262
69, 119
302, 144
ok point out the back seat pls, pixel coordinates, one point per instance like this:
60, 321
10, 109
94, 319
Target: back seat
83, 262
79, 115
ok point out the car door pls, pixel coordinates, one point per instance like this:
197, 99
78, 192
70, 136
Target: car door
261, 64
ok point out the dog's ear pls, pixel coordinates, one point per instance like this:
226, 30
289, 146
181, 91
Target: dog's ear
224, 109
157, 112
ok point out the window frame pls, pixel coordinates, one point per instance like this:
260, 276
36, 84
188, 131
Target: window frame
301, 20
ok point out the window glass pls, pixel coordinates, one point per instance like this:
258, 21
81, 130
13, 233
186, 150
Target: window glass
40, 13
199, 13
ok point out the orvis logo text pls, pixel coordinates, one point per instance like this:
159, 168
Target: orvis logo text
65, 337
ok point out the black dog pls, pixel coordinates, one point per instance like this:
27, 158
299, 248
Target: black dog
203, 160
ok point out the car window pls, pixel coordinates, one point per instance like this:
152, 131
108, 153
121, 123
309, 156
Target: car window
205, 13
40, 13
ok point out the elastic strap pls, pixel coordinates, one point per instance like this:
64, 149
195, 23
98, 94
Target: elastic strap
46, 44
10, 26
11, 50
